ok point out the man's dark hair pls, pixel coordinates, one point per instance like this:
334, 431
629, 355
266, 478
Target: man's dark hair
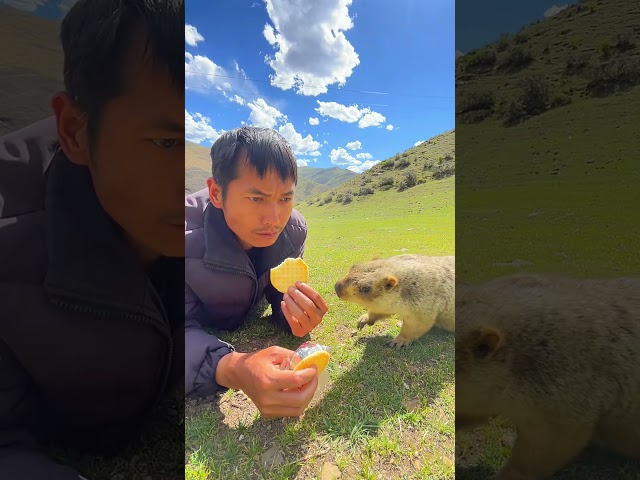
265, 150
97, 40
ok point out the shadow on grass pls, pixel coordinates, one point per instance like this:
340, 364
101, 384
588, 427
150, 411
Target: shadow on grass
371, 384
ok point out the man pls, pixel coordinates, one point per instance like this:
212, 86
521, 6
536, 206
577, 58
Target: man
237, 229
92, 252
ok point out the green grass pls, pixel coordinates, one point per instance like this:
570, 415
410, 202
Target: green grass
384, 413
555, 193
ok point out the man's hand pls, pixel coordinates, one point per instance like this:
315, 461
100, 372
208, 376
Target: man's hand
276, 392
303, 308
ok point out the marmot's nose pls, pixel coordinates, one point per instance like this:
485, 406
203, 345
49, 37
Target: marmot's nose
338, 288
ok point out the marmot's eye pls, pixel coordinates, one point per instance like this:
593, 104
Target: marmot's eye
365, 289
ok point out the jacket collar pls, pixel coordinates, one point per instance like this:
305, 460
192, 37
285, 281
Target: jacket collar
90, 262
223, 249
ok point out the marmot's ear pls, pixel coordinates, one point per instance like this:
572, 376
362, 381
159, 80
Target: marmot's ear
484, 342
389, 282
375, 257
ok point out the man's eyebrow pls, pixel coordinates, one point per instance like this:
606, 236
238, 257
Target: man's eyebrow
256, 191
167, 125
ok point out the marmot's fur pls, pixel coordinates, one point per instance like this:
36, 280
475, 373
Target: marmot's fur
559, 358
418, 288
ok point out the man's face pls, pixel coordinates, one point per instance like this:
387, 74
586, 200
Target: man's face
137, 163
255, 209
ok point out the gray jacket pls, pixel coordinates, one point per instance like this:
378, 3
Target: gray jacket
222, 285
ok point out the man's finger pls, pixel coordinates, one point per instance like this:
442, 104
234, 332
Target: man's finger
278, 354
304, 302
314, 296
289, 379
294, 323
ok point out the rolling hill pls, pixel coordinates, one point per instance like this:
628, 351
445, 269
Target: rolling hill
433, 159
311, 181
329, 177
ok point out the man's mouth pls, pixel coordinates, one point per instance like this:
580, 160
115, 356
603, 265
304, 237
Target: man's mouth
269, 234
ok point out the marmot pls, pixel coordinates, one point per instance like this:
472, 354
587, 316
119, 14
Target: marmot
559, 357
419, 288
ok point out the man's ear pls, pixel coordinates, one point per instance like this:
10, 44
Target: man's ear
215, 192
485, 342
72, 129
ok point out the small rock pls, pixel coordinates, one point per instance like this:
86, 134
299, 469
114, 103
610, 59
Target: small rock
240, 438
272, 458
405, 386
330, 471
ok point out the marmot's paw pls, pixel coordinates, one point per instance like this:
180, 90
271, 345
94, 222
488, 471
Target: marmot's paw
398, 343
363, 320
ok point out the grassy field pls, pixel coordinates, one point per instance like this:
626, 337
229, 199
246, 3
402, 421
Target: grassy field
557, 190
384, 413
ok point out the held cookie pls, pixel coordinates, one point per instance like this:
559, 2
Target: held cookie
310, 353
289, 272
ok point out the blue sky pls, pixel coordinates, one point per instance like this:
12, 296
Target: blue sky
479, 23
347, 83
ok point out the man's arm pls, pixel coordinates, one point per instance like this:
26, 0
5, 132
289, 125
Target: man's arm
203, 351
20, 455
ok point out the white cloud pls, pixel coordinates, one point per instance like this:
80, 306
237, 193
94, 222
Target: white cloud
198, 129
299, 145
389, 127
357, 145
364, 156
302, 162
363, 166
315, 153
238, 99
200, 72
554, 10
264, 115
192, 36
24, 5
350, 114
311, 50
340, 157
65, 5
418, 143
371, 119
314, 121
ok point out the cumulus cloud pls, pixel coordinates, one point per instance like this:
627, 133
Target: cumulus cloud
390, 127
299, 144
204, 76
264, 115
302, 162
357, 145
311, 49
314, 121
363, 166
192, 36
238, 99
340, 157
554, 10
198, 128
364, 156
350, 114
371, 119
418, 143
315, 154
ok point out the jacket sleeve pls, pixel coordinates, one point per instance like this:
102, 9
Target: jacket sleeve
20, 455
203, 351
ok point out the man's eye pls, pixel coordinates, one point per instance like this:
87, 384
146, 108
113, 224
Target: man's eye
287, 199
255, 199
165, 142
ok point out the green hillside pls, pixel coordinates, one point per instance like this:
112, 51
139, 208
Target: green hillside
198, 168
329, 177
430, 161
548, 172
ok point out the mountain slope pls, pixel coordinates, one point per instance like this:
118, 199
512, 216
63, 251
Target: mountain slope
329, 177
433, 159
